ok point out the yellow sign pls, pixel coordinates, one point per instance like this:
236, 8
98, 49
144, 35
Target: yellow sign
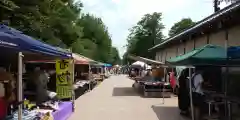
64, 76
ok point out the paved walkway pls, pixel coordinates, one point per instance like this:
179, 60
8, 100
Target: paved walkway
114, 99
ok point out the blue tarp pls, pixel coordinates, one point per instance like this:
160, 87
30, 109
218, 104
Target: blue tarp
107, 65
12, 38
233, 52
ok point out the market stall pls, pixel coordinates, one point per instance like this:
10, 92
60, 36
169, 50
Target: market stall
82, 81
107, 68
20, 48
136, 68
214, 60
156, 85
98, 71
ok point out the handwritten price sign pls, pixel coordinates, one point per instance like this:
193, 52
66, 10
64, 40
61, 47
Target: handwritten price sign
64, 76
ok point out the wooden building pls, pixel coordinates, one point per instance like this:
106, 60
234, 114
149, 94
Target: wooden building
221, 28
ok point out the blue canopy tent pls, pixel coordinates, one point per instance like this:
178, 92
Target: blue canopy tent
14, 44
20, 42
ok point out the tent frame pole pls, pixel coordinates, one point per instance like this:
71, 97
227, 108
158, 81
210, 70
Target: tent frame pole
163, 89
89, 74
190, 93
20, 90
73, 81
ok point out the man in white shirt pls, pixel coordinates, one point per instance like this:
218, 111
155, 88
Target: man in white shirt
198, 95
197, 83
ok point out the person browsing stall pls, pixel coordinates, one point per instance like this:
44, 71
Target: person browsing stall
198, 94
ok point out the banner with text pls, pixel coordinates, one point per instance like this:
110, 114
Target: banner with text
64, 78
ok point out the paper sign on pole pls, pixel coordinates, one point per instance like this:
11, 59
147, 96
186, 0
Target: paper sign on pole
64, 78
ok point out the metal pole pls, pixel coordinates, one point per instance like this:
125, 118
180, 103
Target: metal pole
164, 84
190, 93
20, 95
227, 108
73, 81
90, 77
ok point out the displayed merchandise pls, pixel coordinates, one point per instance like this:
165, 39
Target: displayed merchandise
47, 116
27, 115
47, 111
51, 94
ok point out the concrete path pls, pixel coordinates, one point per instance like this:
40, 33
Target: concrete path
114, 99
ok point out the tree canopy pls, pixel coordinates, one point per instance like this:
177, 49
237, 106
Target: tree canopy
60, 23
144, 35
180, 26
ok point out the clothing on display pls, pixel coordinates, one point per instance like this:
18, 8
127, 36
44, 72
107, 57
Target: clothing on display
27, 115
172, 80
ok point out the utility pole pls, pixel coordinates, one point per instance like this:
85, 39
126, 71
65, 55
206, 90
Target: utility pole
216, 5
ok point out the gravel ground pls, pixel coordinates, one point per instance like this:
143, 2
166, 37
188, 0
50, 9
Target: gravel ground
114, 99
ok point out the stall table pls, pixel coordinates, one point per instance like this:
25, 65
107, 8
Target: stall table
65, 110
156, 89
81, 87
97, 77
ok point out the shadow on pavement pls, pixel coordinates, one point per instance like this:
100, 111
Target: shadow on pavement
124, 91
167, 113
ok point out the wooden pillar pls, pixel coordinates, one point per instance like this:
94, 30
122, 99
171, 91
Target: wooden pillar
208, 37
226, 38
194, 44
185, 44
165, 56
177, 51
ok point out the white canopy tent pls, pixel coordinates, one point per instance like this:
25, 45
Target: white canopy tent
145, 60
142, 64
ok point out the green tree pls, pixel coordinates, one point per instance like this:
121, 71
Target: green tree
146, 34
60, 23
7, 4
115, 58
49, 20
96, 31
85, 47
180, 26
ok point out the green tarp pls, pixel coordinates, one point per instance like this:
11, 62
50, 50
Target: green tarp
207, 55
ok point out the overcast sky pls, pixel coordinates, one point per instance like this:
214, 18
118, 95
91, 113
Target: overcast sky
120, 15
